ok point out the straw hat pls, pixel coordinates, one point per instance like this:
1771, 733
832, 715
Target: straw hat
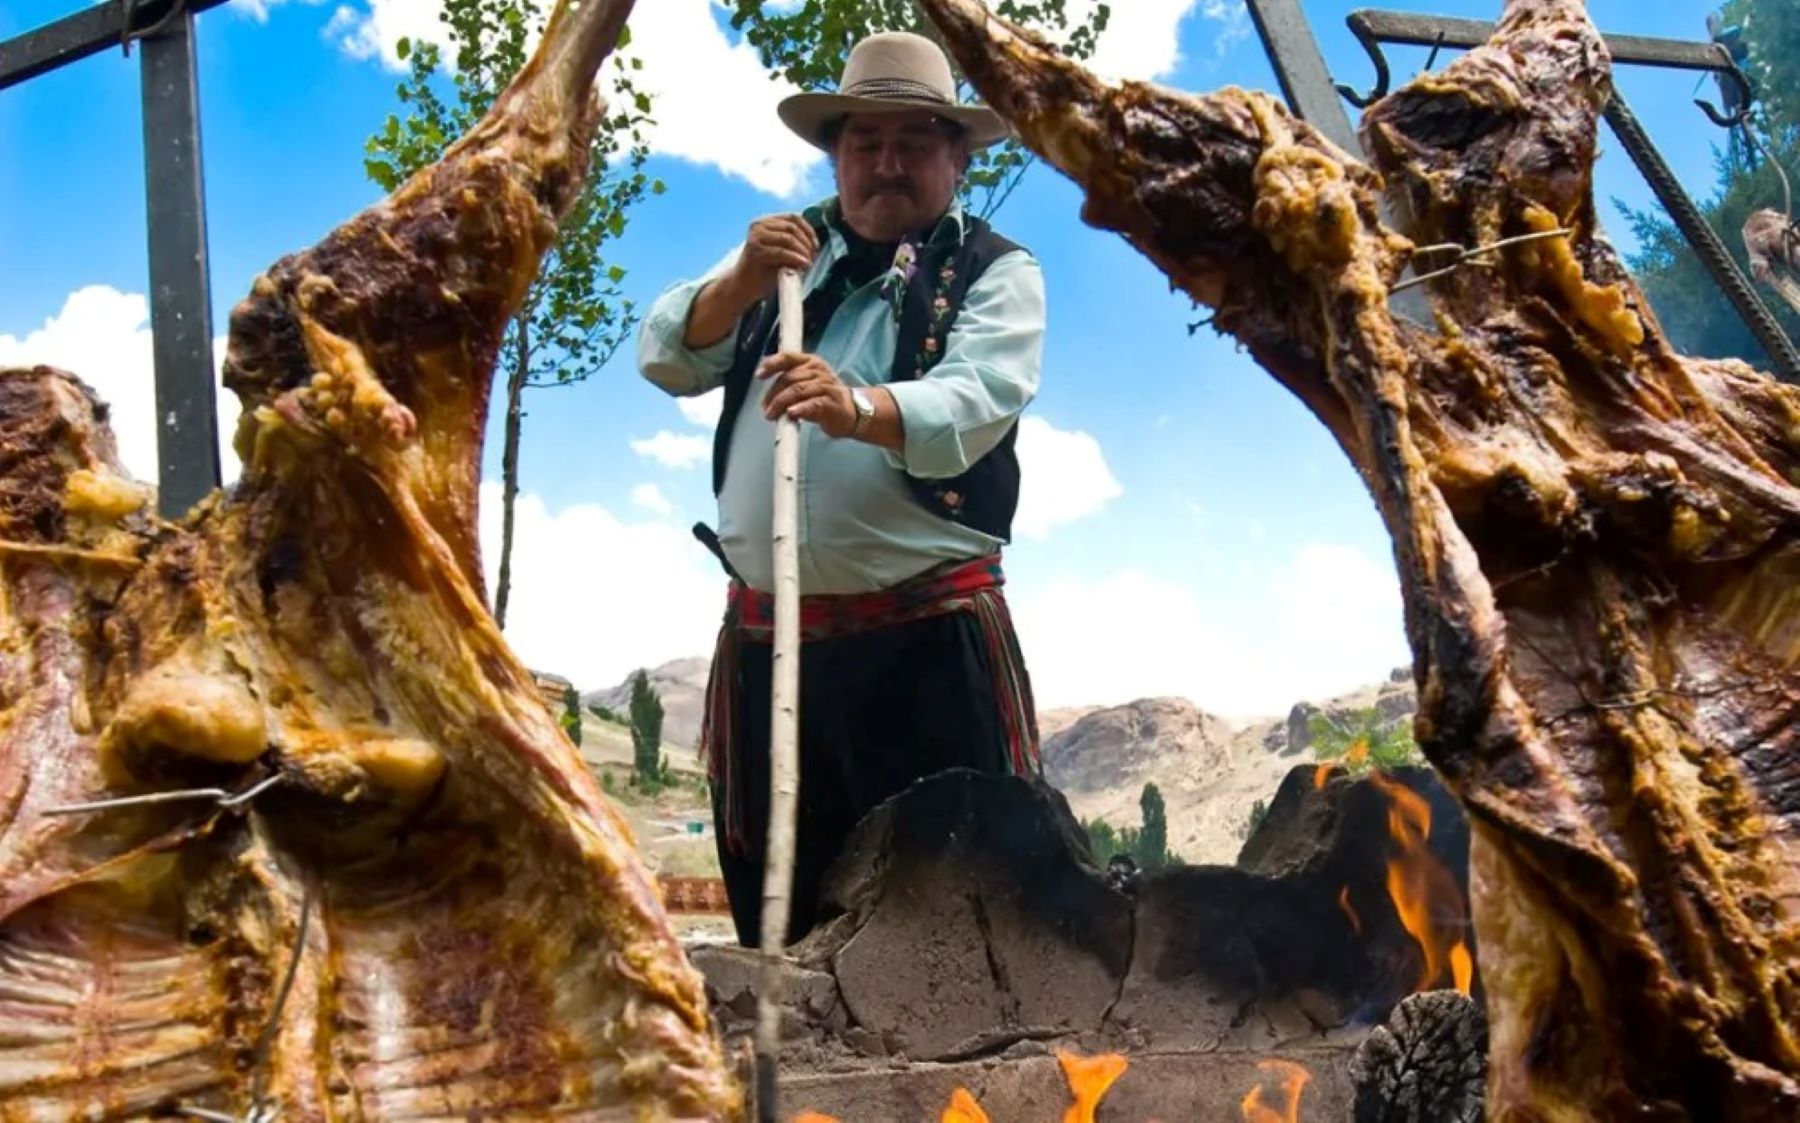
891, 72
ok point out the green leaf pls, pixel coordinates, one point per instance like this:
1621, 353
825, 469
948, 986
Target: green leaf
615, 273
403, 48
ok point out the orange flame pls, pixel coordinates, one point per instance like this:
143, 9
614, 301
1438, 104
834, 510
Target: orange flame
1358, 754
1321, 774
1257, 1109
1462, 967
1420, 886
963, 1109
1090, 1078
814, 1117
1344, 903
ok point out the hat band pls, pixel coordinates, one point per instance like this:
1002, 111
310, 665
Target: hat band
896, 89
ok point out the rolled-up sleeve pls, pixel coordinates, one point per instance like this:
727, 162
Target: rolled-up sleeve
664, 358
992, 362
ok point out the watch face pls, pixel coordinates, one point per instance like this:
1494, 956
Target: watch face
863, 404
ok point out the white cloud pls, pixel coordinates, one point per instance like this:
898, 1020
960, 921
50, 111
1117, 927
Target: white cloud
1233, 18
595, 597
1064, 478
704, 410
258, 10
1332, 623
713, 101
673, 450
371, 28
1141, 40
651, 498
102, 336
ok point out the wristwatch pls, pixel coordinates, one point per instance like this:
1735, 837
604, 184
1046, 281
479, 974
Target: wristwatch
865, 411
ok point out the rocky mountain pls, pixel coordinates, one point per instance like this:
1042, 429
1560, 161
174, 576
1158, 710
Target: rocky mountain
1209, 771
681, 686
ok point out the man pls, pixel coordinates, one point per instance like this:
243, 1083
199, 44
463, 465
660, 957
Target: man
923, 342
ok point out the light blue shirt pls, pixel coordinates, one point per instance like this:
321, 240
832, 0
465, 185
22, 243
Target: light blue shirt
860, 527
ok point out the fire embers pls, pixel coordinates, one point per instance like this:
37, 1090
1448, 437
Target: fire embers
1276, 1098
1426, 897
1090, 1078
1392, 850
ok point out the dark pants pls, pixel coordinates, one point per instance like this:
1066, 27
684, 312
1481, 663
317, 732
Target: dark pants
878, 710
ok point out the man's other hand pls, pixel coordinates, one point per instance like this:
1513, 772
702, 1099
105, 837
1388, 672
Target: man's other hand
775, 242
805, 388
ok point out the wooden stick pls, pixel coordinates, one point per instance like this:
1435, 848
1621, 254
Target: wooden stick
784, 751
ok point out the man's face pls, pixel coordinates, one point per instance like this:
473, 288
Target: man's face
896, 172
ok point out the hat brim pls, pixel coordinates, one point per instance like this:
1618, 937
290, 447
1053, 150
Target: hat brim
808, 114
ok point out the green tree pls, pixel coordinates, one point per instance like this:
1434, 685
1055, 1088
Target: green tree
1361, 741
574, 316
1153, 837
1104, 840
1697, 316
807, 44
1258, 812
571, 716
647, 761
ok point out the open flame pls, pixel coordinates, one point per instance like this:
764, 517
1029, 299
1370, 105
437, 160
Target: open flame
1090, 1078
1321, 774
963, 1109
1358, 754
1282, 1105
1344, 904
1423, 890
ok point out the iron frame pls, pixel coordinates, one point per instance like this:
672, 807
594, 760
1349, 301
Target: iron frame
187, 427
1300, 68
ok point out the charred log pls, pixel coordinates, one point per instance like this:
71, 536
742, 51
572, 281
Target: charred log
428, 908
1598, 539
1426, 1064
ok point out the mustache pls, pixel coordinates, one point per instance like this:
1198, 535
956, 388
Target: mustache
902, 186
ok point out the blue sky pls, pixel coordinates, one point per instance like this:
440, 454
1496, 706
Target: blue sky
1187, 527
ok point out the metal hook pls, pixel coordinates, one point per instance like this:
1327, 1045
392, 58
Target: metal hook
1746, 95
126, 35
1436, 46
1372, 47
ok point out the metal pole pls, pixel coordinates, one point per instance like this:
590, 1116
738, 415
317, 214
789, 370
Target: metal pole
1708, 246
1307, 86
187, 429
1300, 68
100, 27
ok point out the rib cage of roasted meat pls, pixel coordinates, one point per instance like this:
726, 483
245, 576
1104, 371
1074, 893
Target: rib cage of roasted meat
1772, 241
432, 912
1596, 536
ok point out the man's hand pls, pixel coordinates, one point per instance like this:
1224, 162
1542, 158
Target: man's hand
775, 242
805, 388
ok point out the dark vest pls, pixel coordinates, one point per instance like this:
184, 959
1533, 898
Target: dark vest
984, 497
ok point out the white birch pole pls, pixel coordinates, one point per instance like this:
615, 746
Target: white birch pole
784, 726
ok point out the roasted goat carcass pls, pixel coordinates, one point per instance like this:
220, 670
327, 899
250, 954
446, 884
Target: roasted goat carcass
1599, 540
426, 910
1773, 243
